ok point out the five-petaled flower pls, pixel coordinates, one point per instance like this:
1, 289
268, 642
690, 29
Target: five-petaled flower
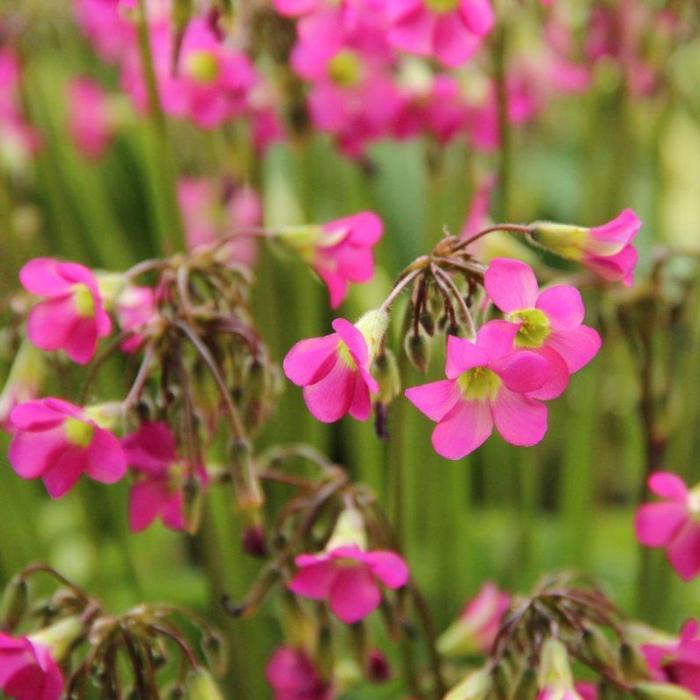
28, 671
293, 676
72, 318
673, 523
488, 383
57, 442
549, 322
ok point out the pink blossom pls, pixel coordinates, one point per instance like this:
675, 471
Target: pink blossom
73, 317
488, 383
136, 308
28, 670
549, 322
57, 442
587, 691
214, 208
449, 30
477, 216
348, 578
297, 8
343, 252
477, 626
673, 523
111, 34
335, 370
150, 453
679, 662
89, 118
293, 676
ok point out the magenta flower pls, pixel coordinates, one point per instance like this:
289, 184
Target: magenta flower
150, 453
549, 322
449, 30
477, 626
72, 318
348, 578
136, 308
488, 383
89, 120
293, 676
111, 34
334, 369
672, 524
28, 670
57, 442
679, 662
343, 252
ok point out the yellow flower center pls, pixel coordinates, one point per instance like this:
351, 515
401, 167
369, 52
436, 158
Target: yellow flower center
83, 300
694, 503
479, 383
78, 432
202, 66
345, 68
534, 328
442, 6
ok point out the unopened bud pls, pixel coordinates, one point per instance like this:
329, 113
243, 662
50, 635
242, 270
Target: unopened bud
417, 347
526, 688
248, 493
599, 648
388, 377
193, 499
476, 686
377, 667
427, 320
201, 686
255, 379
661, 691
215, 650
502, 681
253, 540
14, 603
632, 662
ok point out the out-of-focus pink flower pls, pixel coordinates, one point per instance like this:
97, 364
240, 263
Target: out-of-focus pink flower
293, 676
477, 216
587, 691
488, 383
57, 442
214, 208
28, 671
335, 369
73, 317
112, 35
24, 381
679, 662
673, 523
90, 123
136, 308
158, 491
607, 250
550, 322
476, 628
349, 579
449, 30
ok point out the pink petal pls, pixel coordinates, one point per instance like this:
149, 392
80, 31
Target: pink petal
520, 420
295, 8
41, 414
81, 342
31, 454
354, 263
365, 228
314, 581
354, 594
151, 448
435, 399
413, 31
173, 514
684, 552
497, 338
657, 523
463, 355
563, 306
523, 370
558, 376
577, 346
337, 286
42, 276
453, 43
146, 500
310, 360
668, 485
388, 567
511, 284
330, 399
462, 430
616, 268
478, 15
618, 232
355, 341
65, 471
50, 323
106, 461
360, 405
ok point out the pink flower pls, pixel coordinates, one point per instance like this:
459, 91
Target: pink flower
348, 578
449, 30
343, 252
110, 33
293, 676
487, 384
212, 209
677, 663
549, 322
607, 250
477, 626
136, 308
72, 318
673, 524
150, 453
28, 671
334, 369
587, 691
57, 442
89, 118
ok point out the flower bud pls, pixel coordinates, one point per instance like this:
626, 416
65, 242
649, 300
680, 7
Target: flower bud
59, 637
373, 326
349, 529
564, 240
377, 667
476, 686
201, 686
632, 662
599, 648
417, 347
248, 493
192, 502
554, 672
526, 688
215, 650
253, 540
388, 377
24, 380
661, 691
14, 603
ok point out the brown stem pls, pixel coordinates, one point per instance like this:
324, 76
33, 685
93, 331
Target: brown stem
508, 228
